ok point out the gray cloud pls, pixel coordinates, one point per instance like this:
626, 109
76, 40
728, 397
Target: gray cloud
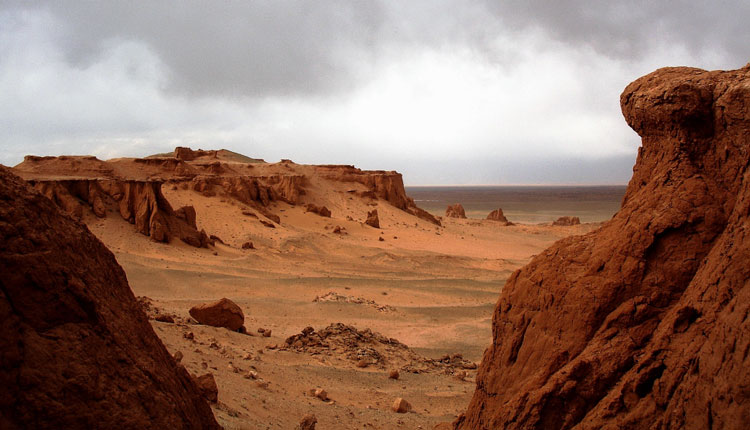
299, 49
513, 91
629, 30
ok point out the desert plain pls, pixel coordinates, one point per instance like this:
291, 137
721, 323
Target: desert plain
415, 295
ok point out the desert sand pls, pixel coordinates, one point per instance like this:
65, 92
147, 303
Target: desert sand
430, 287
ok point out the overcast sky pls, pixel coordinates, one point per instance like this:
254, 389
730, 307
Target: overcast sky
446, 92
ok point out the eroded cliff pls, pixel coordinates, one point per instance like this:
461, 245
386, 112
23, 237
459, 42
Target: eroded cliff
77, 352
644, 322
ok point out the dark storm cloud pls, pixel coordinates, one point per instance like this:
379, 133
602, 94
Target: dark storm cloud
628, 30
304, 48
253, 48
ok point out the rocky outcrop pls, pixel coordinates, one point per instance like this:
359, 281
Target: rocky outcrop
567, 221
643, 322
253, 190
139, 202
187, 154
455, 211
320, 210
372, 219
76, 351
497, 215
388, 186
224, 313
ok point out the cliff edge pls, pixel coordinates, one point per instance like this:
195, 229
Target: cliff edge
644, 322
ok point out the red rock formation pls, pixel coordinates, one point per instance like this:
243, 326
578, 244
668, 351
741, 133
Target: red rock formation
139, 202
497, 215
372, 219
642, 323
320, 210
76, 351
224, 313
188, 154
254, 189
455, 211
388, 186
567, 220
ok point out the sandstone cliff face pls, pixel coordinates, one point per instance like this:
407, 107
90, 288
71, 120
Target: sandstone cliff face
76, 351
388, 186
139, 202
644, 322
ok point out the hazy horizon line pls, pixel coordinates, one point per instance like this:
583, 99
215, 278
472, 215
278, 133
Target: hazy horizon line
518, 185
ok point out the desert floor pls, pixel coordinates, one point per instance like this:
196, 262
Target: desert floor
431, 288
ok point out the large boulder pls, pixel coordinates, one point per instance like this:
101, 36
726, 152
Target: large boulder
643, 322
76, 351
224, 313
455, 211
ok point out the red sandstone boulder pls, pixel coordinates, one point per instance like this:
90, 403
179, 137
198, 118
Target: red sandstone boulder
642, 323
207, 385
372, 219
567, 221
497, 215
224, 313
455, 211
76, 351
320, 210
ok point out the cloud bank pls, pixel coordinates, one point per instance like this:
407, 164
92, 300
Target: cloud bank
443, 91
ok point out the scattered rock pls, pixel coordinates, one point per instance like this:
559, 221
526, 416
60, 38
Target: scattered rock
251, 375
265, 332
460, 375
207, 386
321, 394
339, 230
363, 363
249, 213
308, 422
332, 296
224, 313
393, 374
320, 210
248, 245
372, 219
380, 239
455, 211
177, 356
188, 335
567, 220
401, 406
165, 318
267, 224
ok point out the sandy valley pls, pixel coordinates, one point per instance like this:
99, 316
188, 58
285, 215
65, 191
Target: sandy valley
430, 288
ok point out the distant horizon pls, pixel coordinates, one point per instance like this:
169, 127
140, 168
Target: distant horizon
517, 185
